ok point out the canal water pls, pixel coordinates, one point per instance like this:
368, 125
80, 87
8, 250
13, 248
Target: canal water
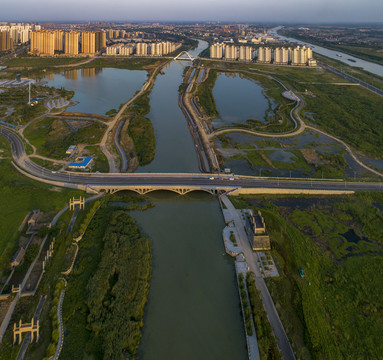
175, 150
98, 90
239, 99
366, 65
193, 310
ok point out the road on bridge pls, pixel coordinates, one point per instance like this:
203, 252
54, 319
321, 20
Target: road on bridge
204, 180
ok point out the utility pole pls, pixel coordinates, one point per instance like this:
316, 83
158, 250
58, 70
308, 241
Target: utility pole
29, 97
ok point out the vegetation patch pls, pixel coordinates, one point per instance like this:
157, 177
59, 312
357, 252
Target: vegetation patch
205, 94
334, 310
267, 345
246, 307
106, 295
52, 137
141, 130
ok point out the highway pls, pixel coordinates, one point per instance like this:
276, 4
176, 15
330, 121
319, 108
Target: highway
170, 179
352, 78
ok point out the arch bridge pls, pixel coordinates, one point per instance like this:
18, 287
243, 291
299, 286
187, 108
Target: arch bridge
144, 189
187, 57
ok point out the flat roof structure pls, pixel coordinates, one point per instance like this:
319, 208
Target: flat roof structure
81, 164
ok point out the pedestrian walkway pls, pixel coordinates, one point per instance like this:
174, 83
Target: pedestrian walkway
272, 314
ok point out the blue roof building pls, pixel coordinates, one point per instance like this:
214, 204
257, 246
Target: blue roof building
83, 164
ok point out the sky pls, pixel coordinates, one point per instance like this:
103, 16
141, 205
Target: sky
278, 11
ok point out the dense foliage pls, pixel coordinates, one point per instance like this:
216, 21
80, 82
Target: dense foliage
335, 310
141, 131
267, 346
245, 305
104, 305
205, 94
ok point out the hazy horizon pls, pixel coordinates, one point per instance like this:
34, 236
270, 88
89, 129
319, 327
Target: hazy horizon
274, 11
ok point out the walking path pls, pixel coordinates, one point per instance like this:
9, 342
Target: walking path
11, 308
120, 149
27, 339
61, 325
275, 322
241, 267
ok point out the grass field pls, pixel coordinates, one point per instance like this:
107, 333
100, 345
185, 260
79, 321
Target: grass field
20, 195
42, 62
52, 137
335, 310
349, 112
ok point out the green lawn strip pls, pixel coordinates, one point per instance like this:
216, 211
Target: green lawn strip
267, 345
246, 307
39, 62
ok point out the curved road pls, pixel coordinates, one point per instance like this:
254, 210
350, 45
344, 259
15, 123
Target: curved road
169, 179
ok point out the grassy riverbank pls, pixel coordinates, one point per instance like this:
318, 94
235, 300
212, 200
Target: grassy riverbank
107, 292
372, 54
205, 94
339, 245
52, 137
141, 130
350, 112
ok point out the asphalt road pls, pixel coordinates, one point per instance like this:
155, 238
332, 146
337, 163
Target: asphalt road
352, 78
208, 180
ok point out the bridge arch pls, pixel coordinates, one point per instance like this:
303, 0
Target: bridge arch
142, 189
188, 56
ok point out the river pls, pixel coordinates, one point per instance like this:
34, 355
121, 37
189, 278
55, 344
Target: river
366, 65
193, 310
174, 145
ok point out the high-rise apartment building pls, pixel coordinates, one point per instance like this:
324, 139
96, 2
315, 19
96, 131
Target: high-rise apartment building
59, 40
281, 56
71, 42
88, 42
264, 55
231, 52
245, 53
141, 49
6, 42
100, 40
43, 43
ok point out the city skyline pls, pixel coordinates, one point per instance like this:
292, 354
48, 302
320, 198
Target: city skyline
168, 10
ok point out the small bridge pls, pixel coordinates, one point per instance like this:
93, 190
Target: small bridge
187, 57
144, 189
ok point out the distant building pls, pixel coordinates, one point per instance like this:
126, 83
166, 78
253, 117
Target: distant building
100, 38
88, 42
71, 149
264, 55
256, 230
141, 49
42, 43
6, 42
71, 42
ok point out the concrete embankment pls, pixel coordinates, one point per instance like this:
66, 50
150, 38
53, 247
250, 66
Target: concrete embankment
255, 191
